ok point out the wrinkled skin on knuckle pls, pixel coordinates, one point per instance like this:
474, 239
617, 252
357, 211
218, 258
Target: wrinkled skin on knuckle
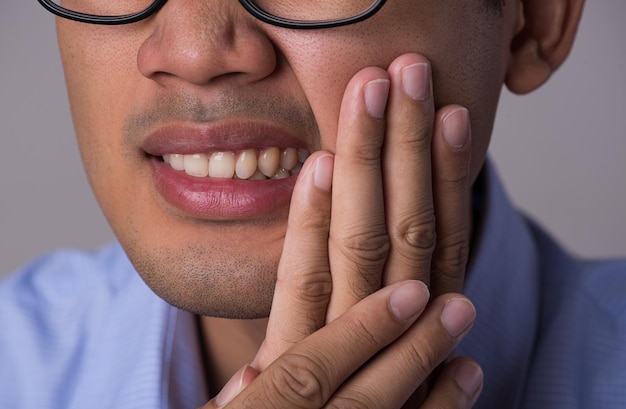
423, 355
362, 338
367, 152
415, 237
368, 244
456, 181
312, 219
313, 288
418, 138
300, 381
450, 264
453, 257
367, 250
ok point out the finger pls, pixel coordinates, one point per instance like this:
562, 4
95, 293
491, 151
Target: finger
410, 360
458, 386
451, 186
407, 173
358, 241
303, 284
310, 372
240, 380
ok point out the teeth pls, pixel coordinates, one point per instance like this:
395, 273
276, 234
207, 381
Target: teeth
296, 168
281, 174
289, 158
269, 160
222, 165
258, 175
177, 161
196, 165
270, 163
303, 154
246, 164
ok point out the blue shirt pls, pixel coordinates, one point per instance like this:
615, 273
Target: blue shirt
82, 329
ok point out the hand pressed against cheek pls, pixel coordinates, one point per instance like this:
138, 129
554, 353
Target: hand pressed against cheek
467, 46
377, 227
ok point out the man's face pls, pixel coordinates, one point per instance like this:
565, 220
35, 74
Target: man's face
204, 76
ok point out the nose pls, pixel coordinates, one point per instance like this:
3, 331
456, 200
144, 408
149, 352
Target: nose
202, 42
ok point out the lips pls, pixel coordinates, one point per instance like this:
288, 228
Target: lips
223, 196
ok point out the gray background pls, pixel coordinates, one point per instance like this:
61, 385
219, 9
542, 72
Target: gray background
560, 150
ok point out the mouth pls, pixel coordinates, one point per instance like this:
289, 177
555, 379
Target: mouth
228, 172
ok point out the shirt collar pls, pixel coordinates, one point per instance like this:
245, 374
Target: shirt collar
503, 282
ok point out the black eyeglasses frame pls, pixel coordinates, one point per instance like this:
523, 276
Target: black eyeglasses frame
252, 8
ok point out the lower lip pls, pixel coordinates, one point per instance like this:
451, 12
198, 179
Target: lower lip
222, 199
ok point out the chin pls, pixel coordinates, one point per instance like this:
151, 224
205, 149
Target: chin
209, 281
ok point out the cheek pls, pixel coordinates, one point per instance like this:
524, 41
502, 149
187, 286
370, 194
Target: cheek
99, 63
323, 62
100, 71
470, 75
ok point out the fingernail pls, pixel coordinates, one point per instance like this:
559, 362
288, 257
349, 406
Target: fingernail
232, 387
323, 173
469, 377
416, 81
408, 300
457, 315
456, 128
376, 93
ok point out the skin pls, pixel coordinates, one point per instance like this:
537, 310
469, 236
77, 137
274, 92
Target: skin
171, 57
326, 293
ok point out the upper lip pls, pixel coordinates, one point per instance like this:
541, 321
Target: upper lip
226, 135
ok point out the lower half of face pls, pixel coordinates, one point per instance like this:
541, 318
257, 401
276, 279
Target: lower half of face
198, 259
217, 270
212, 246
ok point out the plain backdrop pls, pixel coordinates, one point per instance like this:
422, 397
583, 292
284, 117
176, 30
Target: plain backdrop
561, 151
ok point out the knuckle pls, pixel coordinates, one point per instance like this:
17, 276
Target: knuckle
300, 381
365, 255
449, 264
314, 288
454, 182
417, 138
452, 258
421, 135
423, 357
311, 219
415, 237
367, 250
457, 178
367, 152
364, 339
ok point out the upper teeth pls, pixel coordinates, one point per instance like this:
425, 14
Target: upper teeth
248, 164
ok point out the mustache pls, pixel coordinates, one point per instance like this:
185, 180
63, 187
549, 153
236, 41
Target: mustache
187, 107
